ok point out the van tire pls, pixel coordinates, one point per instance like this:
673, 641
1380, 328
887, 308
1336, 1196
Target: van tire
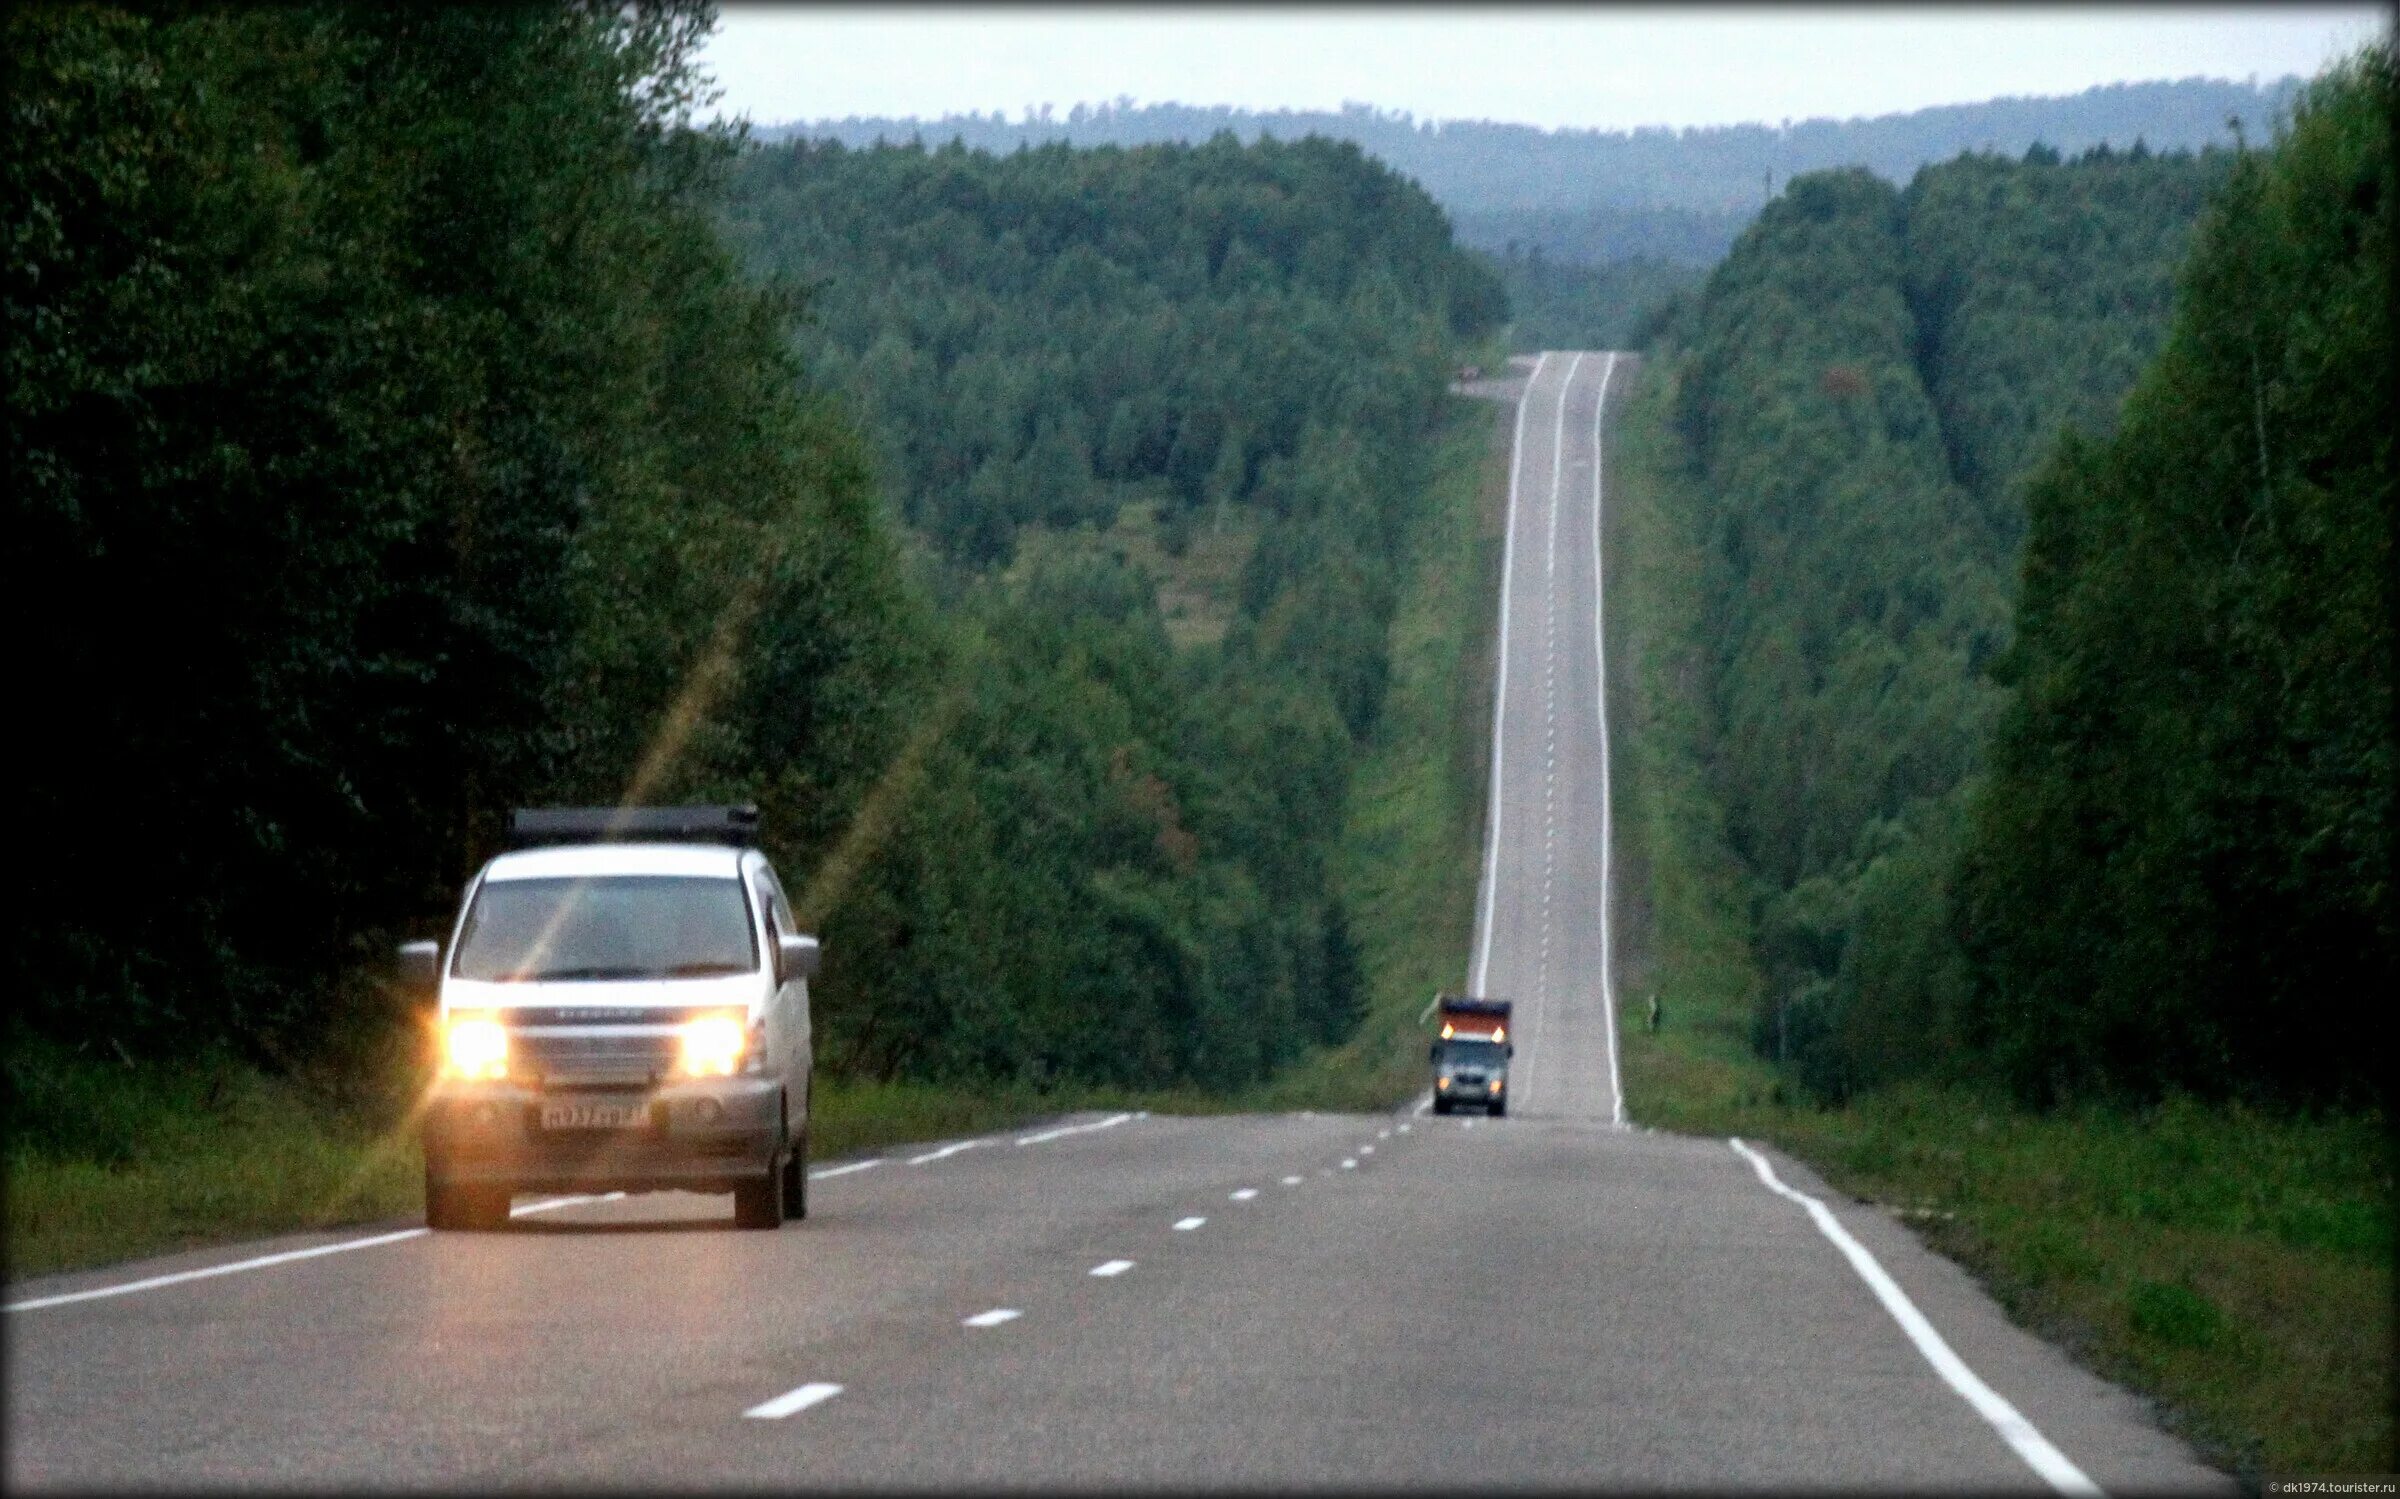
758, 1202
457, 1205
795, 1181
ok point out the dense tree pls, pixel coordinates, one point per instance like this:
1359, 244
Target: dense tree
1108, 858
2179, 872
392, 441
1864, 382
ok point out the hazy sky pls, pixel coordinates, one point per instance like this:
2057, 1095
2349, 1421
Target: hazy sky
1611, 67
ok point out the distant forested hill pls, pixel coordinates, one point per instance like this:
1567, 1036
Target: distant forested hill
1862, 386
1594, 196
1087, 375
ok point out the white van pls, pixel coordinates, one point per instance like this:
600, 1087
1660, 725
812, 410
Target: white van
622, 1006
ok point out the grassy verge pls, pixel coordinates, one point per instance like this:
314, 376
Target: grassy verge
2236, 1265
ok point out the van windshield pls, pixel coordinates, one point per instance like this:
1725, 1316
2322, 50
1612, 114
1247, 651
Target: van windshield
616, 927
1461, 1051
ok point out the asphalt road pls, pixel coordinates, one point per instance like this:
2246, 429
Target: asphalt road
1111, 1301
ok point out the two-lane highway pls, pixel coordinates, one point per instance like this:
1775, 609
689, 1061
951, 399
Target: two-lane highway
1542, 938
1552, 1299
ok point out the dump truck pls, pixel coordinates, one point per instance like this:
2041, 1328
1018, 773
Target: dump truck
1470, 1053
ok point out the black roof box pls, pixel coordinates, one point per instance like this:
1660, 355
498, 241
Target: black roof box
536, 827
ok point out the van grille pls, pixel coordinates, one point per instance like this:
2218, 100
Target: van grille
587, 1057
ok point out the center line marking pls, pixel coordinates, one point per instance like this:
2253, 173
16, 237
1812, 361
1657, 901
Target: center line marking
1291, 1181
1349, 1165
1186, 1225
1366, 1150
992, 1318
1404, 1129
1245, 1194
1108, 1268
818, 1176
793, 1402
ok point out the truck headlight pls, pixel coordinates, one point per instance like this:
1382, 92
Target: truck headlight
1443, 1081
714, 1045
1496, 1082
475, 1046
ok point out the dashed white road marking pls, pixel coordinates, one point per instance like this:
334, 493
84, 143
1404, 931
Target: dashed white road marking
947, 1150
1186, 1225
1107, 1268
1384, 1134
818, 1176
2028, 1443
1366, 1150
1349, 1165
992, 1318
1292, 1181
792, 1402
1075, 1129
1245, 1194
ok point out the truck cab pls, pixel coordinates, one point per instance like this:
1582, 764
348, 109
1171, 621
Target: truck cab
1470, 1055
622, 1005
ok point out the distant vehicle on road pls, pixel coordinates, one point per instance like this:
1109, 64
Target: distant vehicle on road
1470, 1054
624, 1007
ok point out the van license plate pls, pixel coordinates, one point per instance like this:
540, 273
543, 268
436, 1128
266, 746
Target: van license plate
595, 1115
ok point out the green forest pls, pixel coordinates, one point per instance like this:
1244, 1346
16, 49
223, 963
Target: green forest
428, 420
2046, 515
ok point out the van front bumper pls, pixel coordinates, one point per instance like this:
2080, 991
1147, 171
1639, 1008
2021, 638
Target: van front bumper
700, 1136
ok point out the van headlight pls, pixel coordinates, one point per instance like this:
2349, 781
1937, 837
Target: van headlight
715, 1045
475, 1046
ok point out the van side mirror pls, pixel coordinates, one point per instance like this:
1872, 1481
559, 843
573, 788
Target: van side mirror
795, 957
1512, 1048
1433, 1053
420, 967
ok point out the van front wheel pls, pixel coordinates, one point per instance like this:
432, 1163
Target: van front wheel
758, 1203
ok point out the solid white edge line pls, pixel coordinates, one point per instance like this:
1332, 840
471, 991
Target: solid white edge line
2046, 1460
286, 1257
792, 1402
992, 1318
553, 1204
1074, 1129
1107, 1268
821, 1174
1608, 993
947, 1150
1508, 567
153, 1282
